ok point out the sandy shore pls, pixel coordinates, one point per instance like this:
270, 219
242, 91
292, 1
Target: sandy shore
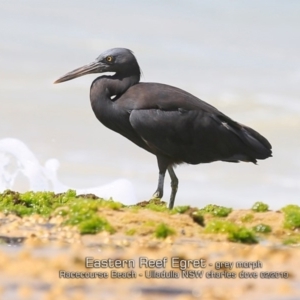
39, 255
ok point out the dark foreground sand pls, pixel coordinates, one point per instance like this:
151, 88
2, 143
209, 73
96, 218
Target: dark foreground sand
34, 250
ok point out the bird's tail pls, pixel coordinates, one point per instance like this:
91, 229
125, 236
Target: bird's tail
258, 146
255, 145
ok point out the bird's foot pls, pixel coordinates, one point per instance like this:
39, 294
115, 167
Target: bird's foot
156, 195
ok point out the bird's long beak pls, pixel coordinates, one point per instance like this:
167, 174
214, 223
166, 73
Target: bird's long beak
94, 67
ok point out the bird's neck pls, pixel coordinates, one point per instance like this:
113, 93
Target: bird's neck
119, 84
105, 90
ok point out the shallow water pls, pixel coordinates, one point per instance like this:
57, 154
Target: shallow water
242, 58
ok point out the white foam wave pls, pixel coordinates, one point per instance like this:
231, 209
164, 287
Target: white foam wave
16, 158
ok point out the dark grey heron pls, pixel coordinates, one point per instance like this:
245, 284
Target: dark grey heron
166, 121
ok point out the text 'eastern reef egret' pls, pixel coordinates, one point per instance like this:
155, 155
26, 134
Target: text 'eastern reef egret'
166, 121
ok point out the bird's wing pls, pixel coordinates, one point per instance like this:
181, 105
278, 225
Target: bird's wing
195, 136
174, 133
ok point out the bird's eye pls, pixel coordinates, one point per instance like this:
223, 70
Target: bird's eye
109, 58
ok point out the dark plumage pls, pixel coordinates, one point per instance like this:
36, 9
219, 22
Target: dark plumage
166, 121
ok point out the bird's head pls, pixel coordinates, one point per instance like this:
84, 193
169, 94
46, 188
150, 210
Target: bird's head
118, 60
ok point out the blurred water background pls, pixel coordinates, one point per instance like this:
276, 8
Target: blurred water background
240, 56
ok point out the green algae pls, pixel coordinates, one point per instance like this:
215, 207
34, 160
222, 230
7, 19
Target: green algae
291, 216
180, 209
28, 203
162, 231
156, 204
87, 213
83, 212
94, 225
247, 218
262, 228
76, 210
215, 210
235, 233
260, 207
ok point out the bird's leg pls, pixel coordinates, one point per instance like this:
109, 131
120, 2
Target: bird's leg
160, 188
162, 165
174, 186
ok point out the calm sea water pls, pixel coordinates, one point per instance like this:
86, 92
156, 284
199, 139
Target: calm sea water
242, 57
